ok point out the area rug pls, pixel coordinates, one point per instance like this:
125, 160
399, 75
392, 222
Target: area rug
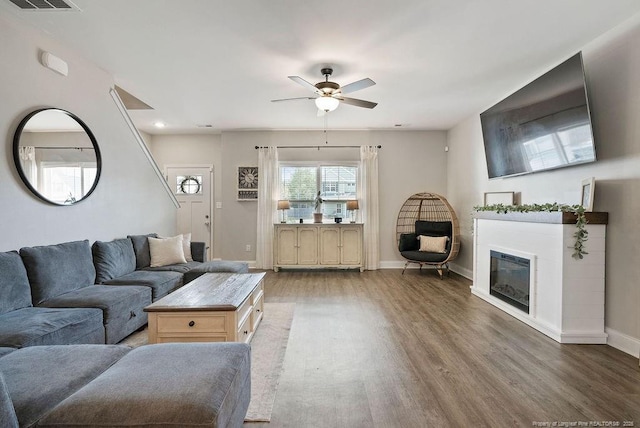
268, 348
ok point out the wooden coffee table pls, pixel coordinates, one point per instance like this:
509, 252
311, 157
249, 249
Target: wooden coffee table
215, 307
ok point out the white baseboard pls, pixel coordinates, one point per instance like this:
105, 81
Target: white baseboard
393, 264
467, 273
623, 342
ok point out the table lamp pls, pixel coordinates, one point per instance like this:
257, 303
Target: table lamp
352, 206
283, 204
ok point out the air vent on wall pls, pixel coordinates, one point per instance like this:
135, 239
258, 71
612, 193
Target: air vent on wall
45, 5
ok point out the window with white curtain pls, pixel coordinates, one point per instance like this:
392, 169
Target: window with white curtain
301, 182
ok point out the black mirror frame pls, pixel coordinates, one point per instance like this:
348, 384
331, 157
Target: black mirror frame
18, 164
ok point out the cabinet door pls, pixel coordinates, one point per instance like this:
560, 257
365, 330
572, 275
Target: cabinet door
307, 246
286, 246
351, 239
329, 245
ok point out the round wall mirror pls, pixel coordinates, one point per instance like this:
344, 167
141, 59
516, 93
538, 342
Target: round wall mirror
57, 156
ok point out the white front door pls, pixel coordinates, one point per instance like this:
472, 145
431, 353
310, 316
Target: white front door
194, 191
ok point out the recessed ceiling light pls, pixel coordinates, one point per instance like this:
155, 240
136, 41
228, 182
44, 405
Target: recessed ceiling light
159, 124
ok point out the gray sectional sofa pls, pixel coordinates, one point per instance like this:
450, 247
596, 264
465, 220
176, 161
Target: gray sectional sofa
63, 306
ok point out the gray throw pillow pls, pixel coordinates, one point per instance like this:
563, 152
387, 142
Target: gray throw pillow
141, 248
113, 259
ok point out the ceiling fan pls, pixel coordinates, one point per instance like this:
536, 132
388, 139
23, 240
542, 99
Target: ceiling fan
330, 94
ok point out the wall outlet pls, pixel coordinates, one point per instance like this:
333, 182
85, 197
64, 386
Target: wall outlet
218, 205
247, 248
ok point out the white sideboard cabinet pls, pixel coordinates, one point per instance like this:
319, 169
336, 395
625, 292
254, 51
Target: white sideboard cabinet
318, 245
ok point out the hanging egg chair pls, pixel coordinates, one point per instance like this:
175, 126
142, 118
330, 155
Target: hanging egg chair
427, 231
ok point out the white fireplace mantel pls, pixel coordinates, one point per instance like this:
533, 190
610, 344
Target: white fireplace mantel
566, 295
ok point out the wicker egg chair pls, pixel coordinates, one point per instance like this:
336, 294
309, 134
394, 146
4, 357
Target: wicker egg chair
427, 214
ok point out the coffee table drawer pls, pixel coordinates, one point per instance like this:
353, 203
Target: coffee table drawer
244, 332
196, 322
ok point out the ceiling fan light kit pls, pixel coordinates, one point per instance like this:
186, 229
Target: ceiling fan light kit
327, 103
330, 94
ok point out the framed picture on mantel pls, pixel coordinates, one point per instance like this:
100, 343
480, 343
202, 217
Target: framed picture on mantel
504, 198
586, 199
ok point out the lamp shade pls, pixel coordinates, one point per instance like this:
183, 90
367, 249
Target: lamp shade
327, 103
284, 204
352, 205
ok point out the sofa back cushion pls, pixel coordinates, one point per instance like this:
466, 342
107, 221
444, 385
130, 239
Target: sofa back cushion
141, 248
14, 283
8, 416
57, 269
113, 259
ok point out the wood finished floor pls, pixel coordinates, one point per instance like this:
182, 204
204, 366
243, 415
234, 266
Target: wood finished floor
381, 349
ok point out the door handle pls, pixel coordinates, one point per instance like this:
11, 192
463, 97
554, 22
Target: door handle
206, 223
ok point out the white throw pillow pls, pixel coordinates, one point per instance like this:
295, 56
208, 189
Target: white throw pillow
433, 244
186, 245
166, 251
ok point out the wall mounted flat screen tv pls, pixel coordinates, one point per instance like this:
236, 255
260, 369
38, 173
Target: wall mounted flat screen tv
545, 125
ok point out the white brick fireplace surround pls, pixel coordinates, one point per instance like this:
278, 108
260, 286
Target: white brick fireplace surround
566, 296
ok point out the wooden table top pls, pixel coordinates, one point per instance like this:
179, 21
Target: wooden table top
210, 292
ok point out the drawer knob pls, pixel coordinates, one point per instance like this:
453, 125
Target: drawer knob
192, 323
246, 332
257, 310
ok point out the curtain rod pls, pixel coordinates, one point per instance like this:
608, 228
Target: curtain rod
314, 147
63, 147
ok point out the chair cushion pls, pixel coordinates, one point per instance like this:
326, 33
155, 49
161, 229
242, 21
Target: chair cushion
15, 292
58, 269
433, 228
8, 418
40, 377
173, 384
161, 283
113, 259
5, 351
122, 307
141, 248
48, 326
422, 256
408, 242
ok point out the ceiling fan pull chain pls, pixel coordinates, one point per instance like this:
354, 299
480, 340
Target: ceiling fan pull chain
326, 139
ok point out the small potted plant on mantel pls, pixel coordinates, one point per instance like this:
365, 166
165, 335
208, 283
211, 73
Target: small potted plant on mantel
317, 215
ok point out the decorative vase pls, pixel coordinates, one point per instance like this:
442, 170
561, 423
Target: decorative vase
317, 217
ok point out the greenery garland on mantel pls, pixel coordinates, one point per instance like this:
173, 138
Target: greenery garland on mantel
581, 234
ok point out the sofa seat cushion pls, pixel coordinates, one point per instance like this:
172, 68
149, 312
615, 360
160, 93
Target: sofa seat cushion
15, 292
122, 307
215, 266
5, 351
49, 326
58, 269
422, 256
40, 377
8, 418
179, 267
113, 259
173, 384
161, 283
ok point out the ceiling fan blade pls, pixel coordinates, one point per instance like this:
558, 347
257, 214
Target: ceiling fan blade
357, 102
310, 86
293, 99
356, 86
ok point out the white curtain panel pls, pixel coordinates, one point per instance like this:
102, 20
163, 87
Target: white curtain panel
267, 205
28, 160
369, 211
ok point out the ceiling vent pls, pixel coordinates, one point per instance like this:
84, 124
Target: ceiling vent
46, 5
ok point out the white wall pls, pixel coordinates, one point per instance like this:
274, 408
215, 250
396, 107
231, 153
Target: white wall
128, 199
612, 68
409, 162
